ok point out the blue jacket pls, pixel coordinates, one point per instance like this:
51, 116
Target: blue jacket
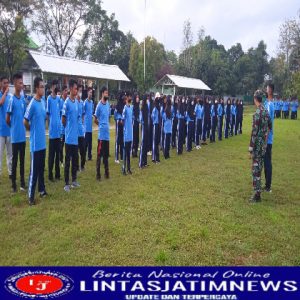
270, 108
155, 116
128, 121
199, 112
220, 110
167, 124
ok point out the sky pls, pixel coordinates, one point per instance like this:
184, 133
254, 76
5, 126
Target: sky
227, 21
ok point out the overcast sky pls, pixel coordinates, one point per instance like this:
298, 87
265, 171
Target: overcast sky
228, 21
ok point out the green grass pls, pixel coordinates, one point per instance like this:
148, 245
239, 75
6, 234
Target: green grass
189, 210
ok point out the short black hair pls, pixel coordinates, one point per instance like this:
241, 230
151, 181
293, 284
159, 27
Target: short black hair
271, 85
64, 87
54, 82
17, 76
72, 82
103, 89
89, 88
258, 95
3, 77
36, 82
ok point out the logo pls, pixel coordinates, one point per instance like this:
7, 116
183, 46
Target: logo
39, 284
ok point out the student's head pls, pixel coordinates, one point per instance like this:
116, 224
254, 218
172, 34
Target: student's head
54, 86
270, 89
228, 101
90, 92
4, 83
73, 86
18, 82
39, 87
64, 91
258, 96
136, 99
104, 93
79, 91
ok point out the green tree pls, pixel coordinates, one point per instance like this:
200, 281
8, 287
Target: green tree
13, 34
155, 59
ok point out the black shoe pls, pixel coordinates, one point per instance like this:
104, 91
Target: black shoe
43, 194
51, 179
31, 201
98, 177
57, 178
268, 190
89, 159
124, 172
129, 172
255, 198
106, 175
14, 189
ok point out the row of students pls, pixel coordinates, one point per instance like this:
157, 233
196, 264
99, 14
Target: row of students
284, 107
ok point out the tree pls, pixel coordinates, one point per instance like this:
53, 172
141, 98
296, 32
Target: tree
57, 21
155, 59
102, 41
187, 43
13, 34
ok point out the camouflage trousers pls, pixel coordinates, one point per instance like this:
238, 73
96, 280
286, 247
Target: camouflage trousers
257, 165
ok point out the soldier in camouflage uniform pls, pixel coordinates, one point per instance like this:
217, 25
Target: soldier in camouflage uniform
258, 143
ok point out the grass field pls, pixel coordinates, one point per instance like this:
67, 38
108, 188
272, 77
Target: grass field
189, 210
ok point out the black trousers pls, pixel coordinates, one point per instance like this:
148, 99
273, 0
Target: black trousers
268, 166
174, 132
293, 115
62, 144
227, 126
37, 167
102, 153
54, 156
126, 156
88, 144
150, 136
220, 127
71, 155
189, 136
18, 149
81, 149
155, 142
233, 125
144, 147
214, 123
206, 128
119, 140
167, 145
181, 127
162, 136
198, 134
136, 138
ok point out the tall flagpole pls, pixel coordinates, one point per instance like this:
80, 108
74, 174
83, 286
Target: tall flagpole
145, 42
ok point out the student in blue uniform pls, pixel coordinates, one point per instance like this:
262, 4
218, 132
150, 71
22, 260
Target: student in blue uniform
280, 108
220, 111
70, 115
119, 142
144, 120
241, 117
214, 120
268, 154
5, 141
199, 119
294, 109
150, 104
156, 131
81, 140
88, 107
14, 119
34, 120
174, 122
227, 117
64, 95
54, 125
167, 118
163, 103
127, 116
233, 119
190, 111
136, 125
102, 114
206, 120
181, 125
